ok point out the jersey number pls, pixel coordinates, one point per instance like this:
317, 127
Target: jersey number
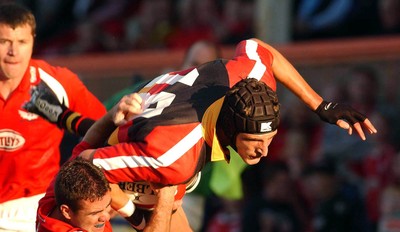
156, 100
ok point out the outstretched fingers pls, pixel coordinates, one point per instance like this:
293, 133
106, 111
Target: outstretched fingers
358, 127
371, 128
360, 131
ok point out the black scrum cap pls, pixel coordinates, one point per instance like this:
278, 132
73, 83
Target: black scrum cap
250, 106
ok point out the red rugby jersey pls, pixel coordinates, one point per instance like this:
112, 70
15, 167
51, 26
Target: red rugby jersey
29, 145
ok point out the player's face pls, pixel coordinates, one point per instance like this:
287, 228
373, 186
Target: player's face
16, 45
93, 215
252, 147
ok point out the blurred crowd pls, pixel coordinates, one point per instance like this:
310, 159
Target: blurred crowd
85, 26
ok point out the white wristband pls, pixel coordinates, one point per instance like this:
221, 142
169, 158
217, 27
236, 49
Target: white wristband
127, 210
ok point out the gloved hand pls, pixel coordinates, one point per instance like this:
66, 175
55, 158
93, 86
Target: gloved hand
331, 112
45, 103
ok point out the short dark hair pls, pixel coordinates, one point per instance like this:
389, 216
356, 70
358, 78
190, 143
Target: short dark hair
16, 15
77, 180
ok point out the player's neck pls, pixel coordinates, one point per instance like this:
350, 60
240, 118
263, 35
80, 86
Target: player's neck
7, 86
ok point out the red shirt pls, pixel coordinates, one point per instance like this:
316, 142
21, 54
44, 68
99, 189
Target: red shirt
166, 144
29, 145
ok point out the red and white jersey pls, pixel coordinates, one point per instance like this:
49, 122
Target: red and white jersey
167, 144
29, 145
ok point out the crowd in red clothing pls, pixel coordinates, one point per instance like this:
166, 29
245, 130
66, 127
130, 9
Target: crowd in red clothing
81, 26
121, 25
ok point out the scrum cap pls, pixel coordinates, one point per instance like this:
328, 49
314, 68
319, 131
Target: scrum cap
250, 106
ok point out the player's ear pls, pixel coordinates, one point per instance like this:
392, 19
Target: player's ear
66, 211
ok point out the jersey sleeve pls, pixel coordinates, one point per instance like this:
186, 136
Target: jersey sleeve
168, 155
79, 148
251, 60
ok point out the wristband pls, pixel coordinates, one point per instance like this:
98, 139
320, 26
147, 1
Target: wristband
69, 121
74, 122
127, 210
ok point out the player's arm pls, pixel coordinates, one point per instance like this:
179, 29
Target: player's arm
342, 115
160, 219
99, 132
128, 106
45, 103
287, 74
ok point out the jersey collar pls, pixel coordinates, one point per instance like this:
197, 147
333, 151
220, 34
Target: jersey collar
209, 122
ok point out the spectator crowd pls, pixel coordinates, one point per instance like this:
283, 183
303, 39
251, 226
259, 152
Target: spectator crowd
85, 26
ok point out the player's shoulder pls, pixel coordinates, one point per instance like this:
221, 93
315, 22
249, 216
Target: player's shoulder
254, 49
40, 63
246, 42
53, 70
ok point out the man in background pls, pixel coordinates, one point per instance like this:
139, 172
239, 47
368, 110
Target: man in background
29, 145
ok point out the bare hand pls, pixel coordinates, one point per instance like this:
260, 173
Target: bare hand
167, 192
128, 107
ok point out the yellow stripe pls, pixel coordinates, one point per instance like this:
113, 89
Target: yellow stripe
208, 123
113, 139
69, 121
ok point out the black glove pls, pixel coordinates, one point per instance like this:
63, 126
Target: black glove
331, 112
45, 103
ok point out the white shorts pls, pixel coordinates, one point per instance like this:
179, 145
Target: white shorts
19, 214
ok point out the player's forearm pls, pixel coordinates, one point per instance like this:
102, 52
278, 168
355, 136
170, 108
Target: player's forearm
75, 123
161, 216
291, 79
128, 107
99, 132
119, 198
287, 74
